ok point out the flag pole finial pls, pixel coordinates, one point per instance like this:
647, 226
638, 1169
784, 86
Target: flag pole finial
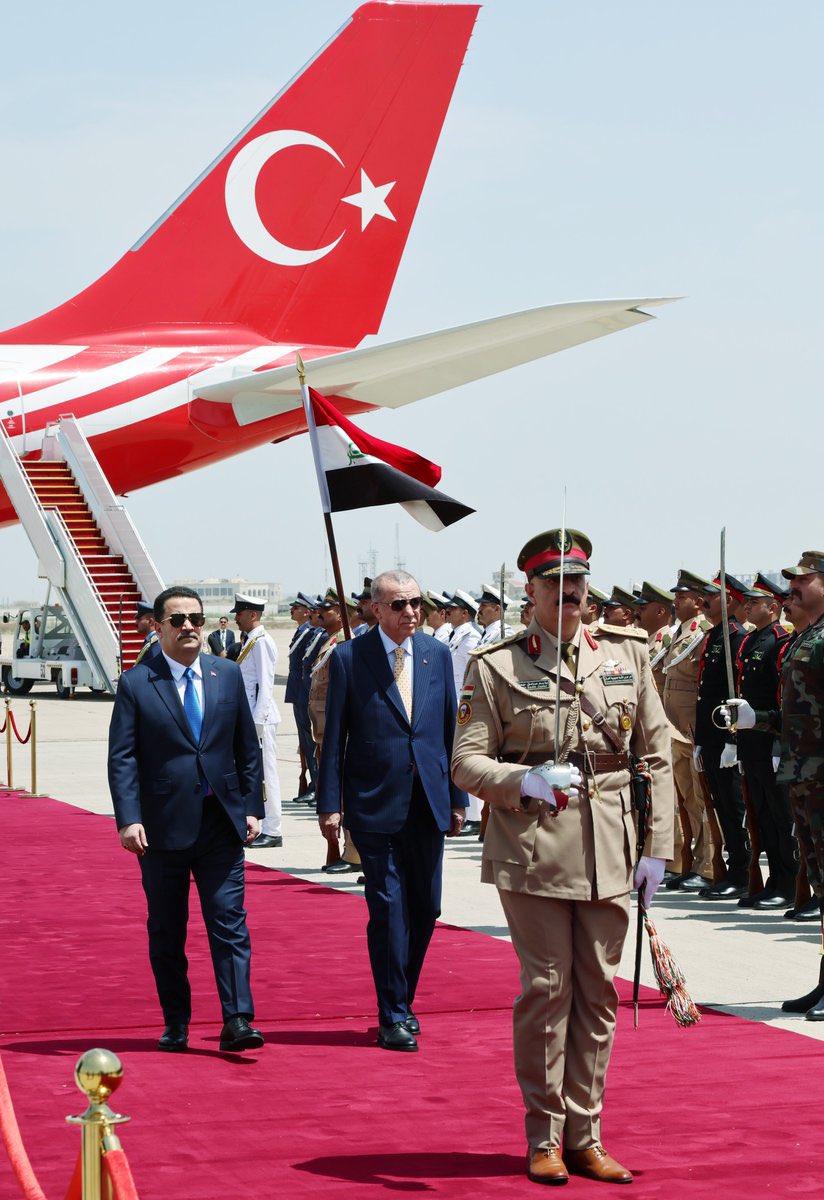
301, 368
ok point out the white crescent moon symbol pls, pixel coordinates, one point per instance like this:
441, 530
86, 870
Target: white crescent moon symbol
241, 181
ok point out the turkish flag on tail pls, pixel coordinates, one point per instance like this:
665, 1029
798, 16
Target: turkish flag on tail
362, 471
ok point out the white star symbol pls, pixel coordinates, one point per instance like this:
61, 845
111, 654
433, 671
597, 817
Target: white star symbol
371, 200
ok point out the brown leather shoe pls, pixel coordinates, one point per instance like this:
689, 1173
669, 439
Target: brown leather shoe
546, 1166
595, 1163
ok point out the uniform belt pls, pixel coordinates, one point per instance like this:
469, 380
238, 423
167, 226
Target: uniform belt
680, 685
587, 763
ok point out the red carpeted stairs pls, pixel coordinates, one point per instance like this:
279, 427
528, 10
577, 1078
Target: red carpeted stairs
728, 1109
55, 487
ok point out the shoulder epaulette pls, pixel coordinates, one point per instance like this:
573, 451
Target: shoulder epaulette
780, 632
491, 647
620, 631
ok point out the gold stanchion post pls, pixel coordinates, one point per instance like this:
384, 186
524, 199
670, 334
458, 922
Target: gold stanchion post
33, 749
98, 1073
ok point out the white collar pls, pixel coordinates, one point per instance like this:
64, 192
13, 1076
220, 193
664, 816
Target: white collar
179, 669
390, 647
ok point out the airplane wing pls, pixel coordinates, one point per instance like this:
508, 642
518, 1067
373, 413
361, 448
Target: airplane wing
399, 373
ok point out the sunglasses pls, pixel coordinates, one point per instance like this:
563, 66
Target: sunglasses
398, 606
178, 620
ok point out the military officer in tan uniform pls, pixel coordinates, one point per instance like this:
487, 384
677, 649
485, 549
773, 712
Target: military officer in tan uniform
619, 607
654, 610
564, 873
693, 844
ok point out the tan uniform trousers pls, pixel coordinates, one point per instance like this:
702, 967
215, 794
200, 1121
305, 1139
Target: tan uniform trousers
691, 800
564, 1018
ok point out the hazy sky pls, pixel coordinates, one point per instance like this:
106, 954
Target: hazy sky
591, 150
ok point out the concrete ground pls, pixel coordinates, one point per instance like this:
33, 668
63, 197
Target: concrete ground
737, 960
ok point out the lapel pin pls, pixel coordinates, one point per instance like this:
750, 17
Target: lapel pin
213, 674
426, 662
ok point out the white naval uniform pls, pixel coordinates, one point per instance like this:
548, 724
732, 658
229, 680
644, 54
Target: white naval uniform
465, 638
442, 633
257, 661
492, 633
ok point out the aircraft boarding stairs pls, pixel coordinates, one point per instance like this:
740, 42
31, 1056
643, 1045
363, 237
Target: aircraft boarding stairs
87, 546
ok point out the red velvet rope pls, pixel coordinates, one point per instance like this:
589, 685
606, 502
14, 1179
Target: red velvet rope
116, 1166
3, 727
75, 1189
21, 740
29, 1187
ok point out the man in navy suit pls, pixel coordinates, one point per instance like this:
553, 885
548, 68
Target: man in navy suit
186, 782
390, 720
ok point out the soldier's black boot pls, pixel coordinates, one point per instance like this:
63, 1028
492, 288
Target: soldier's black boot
812, 1002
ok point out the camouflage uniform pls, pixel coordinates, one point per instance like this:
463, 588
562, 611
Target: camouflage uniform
802, 744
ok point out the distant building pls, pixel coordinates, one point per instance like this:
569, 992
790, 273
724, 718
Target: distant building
219, 594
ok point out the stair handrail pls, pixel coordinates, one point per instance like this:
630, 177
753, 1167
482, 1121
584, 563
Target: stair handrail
96, 613
118, 530
30, 511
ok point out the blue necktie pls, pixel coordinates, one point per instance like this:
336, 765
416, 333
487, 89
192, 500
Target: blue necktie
191, 705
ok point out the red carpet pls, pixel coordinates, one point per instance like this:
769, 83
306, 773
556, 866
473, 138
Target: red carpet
728, 1109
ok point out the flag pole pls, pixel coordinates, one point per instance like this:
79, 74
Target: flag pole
323, 488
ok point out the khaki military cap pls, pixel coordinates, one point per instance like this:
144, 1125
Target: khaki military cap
650, 594
542, 555
620, 598
330, 599
811, 562
689, 582
598, 597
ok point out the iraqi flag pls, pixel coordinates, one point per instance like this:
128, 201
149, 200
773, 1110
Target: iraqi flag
361, 471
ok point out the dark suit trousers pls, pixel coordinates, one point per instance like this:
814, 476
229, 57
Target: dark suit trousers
403, 873
216, 863
306, 741
772, 814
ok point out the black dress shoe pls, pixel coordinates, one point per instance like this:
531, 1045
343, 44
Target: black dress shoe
341, 867
174, 1039
265, 841
361, 879
470, 827
723, 891
810, 911
238, 1034
816, 1012
751, 900
691, 883
396, 1037
412, 1023
304, 797
670, 877
772, 901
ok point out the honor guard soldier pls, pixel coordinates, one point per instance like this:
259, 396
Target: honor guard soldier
489, 616
759, 683
714, 752
461, 611
619, 609
654, 612
802, 759
364, 609
144, 621
257, 661
679, 665
301, 610
564, 872
436, 617
594, 606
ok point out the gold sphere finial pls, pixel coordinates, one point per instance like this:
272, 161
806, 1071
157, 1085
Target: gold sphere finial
98, 1073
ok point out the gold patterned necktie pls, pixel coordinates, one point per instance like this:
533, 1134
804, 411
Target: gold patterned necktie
569, 653
403, 680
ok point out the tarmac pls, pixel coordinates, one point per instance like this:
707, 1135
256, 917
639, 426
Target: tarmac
737, 960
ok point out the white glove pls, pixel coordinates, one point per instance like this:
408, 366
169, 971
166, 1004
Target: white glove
729, 755
554, 785
776, 762
738, 713
697, 759
648, 874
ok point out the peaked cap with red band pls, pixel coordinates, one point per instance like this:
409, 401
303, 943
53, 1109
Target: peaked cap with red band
763, 588
543, 554
734, 586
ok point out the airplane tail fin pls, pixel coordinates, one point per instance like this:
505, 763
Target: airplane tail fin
296, 230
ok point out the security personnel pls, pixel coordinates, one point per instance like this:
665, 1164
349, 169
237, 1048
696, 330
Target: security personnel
714, 749
144, 622
364, 609
489, 616
435, 606
301, 609
758, 683
564, 877
654, 614
312, 647
679, 666
257, 661
619, 608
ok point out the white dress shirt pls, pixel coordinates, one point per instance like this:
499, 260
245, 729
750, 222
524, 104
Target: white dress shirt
179, 676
